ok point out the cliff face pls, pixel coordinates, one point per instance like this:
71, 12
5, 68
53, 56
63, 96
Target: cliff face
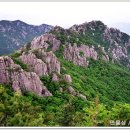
14, 34
48, 63
13, 74
39, 61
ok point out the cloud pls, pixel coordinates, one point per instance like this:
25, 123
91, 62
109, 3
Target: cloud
65, 14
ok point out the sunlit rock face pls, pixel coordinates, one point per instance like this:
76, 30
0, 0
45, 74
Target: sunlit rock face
13, 74
79, 54
45, 41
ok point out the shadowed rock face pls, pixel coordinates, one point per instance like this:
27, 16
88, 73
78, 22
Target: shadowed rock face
11, 73
52, 62
118, 52
114, 37
116, 47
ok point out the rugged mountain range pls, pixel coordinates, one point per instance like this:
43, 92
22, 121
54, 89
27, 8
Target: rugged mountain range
14, 34
108, 43
68, 69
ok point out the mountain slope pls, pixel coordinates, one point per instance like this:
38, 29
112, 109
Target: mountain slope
14, 34
111, 41
72, 77
124, 27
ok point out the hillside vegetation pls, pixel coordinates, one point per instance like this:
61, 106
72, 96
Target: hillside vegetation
74, 77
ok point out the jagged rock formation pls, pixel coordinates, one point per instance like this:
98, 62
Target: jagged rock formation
78, 55
45, 41
11, 73
50, 59
112, 35
88, 26
88, 51
14, 34
52, 63
45, 64
40, 61
118, 52
40, 55
116, 48
116, 43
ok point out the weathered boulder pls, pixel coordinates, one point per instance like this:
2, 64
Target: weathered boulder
82, 96
67, 78
13, 74
111, 35
118, 52
71, 91
55, 78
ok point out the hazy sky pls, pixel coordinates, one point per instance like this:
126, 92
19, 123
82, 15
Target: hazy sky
65, 14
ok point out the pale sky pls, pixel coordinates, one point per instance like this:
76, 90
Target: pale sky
65, 14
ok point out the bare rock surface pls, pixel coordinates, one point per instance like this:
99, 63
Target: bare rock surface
78, 55
12, 74
45, 41
55, 78
43, 64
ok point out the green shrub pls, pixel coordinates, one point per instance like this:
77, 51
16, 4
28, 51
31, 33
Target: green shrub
15, 55
81, 53
19, 62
